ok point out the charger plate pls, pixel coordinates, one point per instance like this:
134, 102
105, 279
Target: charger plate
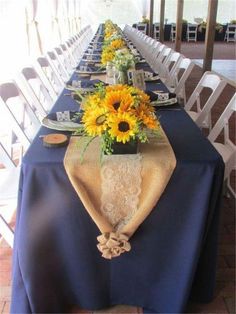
50, 122
82, 90
166, 102
152, 79
91, 72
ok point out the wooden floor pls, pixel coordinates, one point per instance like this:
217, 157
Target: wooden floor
224, 56
192, 50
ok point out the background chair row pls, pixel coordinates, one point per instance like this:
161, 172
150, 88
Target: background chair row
174, 70
24, 102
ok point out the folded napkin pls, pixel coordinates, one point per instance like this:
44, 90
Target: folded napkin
88, 68
64, 116
160, 96
90, 57
84, 83
93, 51
96, 45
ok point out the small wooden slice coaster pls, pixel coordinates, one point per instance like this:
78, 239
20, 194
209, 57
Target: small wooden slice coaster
55, 140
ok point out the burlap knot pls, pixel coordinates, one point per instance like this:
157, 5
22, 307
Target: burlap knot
112, 244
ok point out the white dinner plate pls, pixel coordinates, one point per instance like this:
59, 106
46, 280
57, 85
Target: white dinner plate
167, 102
53, 124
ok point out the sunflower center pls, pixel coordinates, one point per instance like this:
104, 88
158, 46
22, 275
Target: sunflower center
101, 119
116, 105
123, 126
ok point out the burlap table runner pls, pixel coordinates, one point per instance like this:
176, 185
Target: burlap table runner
93, 181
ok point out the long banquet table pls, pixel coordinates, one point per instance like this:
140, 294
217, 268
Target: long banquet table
173, 257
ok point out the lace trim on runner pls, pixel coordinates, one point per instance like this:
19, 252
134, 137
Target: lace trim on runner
121, 187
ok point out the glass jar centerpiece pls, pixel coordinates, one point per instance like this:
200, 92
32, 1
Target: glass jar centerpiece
123, 61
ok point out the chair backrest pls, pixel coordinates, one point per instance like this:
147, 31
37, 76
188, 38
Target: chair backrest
142, 27
49, 75
173, 31
64, 60
68, 55
9, 183
169, 63
57, 65
156, 54
222, 123
228, 148
76, 53
216, 85
230, 34
192, 32
179, 75
18, 112
33, 87
156, 31
5, 159
161, 58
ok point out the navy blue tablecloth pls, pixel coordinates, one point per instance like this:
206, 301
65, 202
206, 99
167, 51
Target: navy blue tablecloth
173, 257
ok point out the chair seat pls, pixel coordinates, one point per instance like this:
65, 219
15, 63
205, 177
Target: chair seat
9, 181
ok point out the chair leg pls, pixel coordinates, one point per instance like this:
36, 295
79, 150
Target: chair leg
6, 231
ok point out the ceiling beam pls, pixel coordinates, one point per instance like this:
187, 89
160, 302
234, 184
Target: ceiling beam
162, 16
151, 18
179, 22
210, 34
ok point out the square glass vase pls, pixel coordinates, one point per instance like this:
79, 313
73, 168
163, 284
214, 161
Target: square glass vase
130, 147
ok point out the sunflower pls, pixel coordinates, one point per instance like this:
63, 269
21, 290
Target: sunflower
145, 114
118, 101
139, 95
92, 101
117, 44
122, 126
107, 56
117, 87
95, 121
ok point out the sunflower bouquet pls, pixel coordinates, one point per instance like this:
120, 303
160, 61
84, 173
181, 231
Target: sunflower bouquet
117, 114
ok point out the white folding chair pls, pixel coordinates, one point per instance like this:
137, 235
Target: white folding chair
9, 181
57, 66
156, 31
191, 32
168, 65
227, 148
33, 87
64, 60
69, 56
230, 34
142, 27
173, 32
155, 55
161, 58
202, 117
178, 77
18, 113
49, 76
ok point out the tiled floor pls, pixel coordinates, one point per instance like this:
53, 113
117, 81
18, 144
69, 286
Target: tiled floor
224, 301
